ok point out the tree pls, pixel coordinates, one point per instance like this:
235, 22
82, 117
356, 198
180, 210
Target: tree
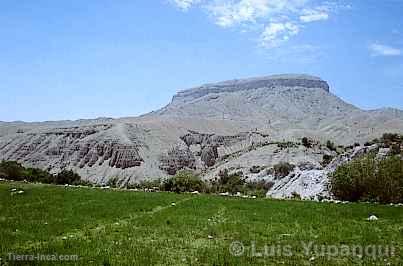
12, 170
67, 177
368, 178
38, 175
184, 181
227, 182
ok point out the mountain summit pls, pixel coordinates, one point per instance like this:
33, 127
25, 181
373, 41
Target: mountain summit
288, 99
269, 82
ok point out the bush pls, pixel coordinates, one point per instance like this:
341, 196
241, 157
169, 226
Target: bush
67, 177
389, 138
282, 169
12, 170
113, 182
258, 188
3, 175
327, 159
295, 196
15, 171
156, 184
395, 149
38, 175
369, 179
184, 181
226, 182
330, 145
306, 142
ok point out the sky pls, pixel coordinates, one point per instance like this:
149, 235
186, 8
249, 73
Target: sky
77, 59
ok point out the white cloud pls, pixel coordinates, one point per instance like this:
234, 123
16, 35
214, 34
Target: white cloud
279, 20
311, 15
276, 33
229, 13
377, 49
185, 4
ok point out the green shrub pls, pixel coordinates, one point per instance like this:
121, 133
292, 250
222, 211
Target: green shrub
38, 175
226, 182
12, 170
3, 175
395, 149
295, 196
184, 181
370, 179
67, 177
306, 142
327, 159
389, 138
258, 188
113, 182
150, 184
15, 171
330, 145
282, 169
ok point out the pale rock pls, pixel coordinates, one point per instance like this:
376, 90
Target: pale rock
372, 218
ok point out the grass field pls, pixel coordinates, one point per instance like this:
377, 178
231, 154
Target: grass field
105, 227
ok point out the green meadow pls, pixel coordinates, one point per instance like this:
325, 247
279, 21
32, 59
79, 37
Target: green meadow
118, 227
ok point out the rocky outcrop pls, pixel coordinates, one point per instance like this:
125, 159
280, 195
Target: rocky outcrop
208, 145
208, 149
71, 147
308, 184
312, 181
178, 158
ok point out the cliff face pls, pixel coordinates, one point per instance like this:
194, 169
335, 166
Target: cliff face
72, 147
227, 125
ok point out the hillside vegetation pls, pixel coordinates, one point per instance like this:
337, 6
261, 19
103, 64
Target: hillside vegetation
371, 177
12, 170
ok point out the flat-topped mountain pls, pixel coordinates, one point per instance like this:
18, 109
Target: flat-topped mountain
269, 82
293, 97
228, 124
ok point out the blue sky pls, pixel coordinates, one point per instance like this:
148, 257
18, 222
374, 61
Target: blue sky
86, 59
